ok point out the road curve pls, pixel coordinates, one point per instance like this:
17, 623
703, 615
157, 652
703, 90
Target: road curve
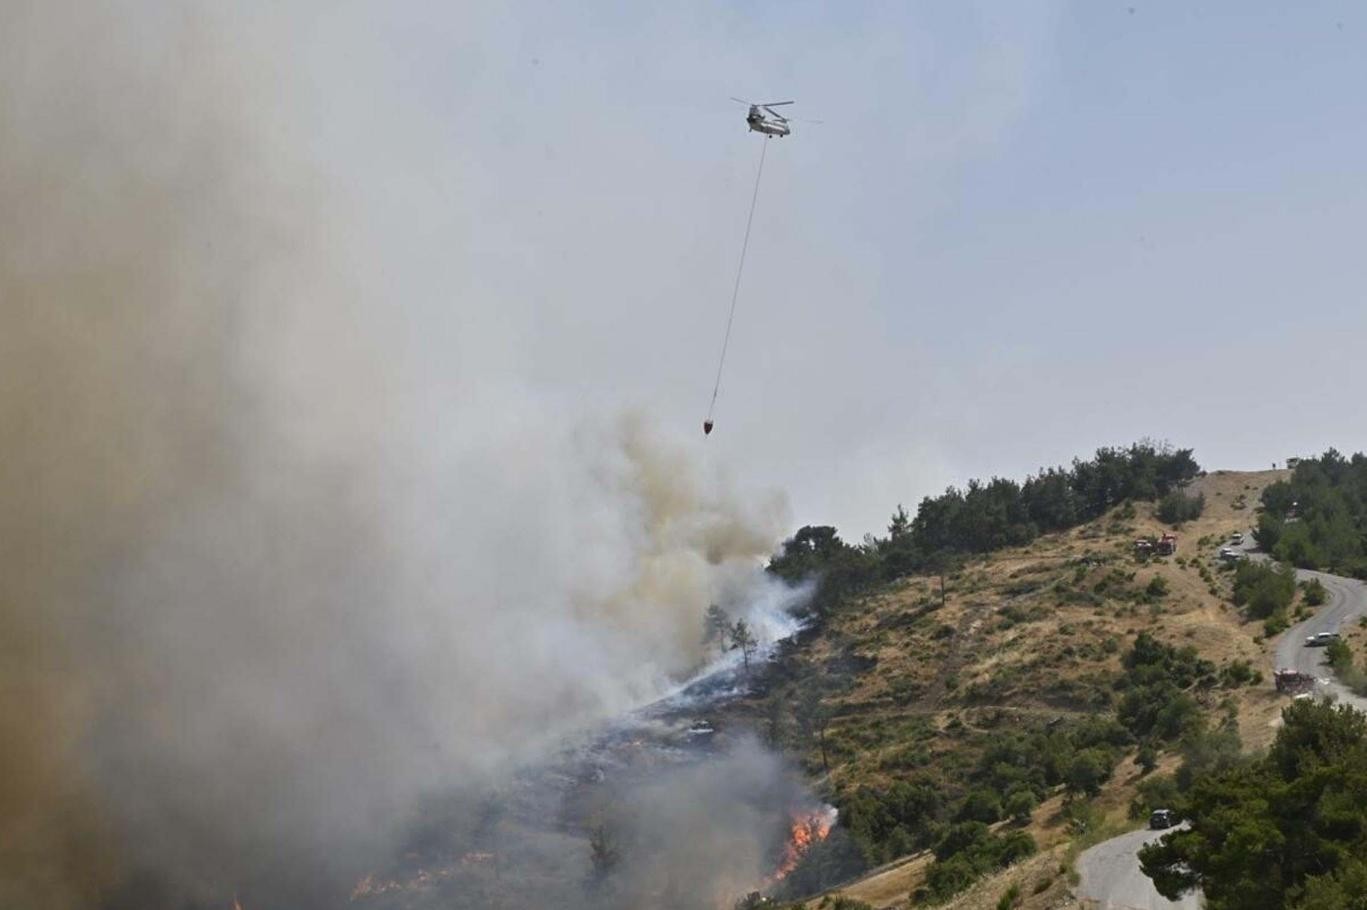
1112, 880
1110, 875
1346, 604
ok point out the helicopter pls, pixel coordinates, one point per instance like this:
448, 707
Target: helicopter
764, 119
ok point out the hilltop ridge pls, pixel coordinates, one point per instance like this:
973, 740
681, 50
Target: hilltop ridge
1018, 700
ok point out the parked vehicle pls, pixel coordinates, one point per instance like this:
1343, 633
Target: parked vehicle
1237, 538
1162, 818
1293, 682
1320, 639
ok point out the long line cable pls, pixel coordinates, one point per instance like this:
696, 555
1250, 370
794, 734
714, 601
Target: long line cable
735, 291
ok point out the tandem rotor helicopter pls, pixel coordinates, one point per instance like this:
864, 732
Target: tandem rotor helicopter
764, 119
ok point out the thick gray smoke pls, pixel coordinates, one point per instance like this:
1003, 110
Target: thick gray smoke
266, 579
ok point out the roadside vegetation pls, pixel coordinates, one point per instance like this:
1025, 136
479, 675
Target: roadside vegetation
1339, 656
1287, 830
1318, 518
1265, 592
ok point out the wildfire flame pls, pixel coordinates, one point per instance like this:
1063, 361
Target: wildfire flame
372, 885
807, 829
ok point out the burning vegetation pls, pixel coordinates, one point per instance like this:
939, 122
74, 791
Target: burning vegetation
808, 828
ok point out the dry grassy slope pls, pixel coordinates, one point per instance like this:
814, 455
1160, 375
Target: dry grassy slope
1004, 648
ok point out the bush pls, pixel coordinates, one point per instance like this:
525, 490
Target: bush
1339, 656
982, 806
1313, 592
1155, 704
1010, 898
946, 878
1206, 751
975, 852
1263, 590
1176, 507
1157, 588
892, 821
1081, 816
960, 838
1088, 770
1020, 805
1239, 673
1159, 792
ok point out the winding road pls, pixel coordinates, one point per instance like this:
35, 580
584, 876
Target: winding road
1110, 877
1346, 604
1112, 880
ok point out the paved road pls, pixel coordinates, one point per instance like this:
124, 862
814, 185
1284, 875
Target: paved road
1110, 875
1112, 880
1347, 603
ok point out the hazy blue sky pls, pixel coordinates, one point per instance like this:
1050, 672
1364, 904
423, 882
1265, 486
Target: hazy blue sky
1019, 234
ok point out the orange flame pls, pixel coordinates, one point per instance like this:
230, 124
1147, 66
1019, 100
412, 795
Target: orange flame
807, 829
373, 886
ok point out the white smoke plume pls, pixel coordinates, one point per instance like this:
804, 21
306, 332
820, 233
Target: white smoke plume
268, 572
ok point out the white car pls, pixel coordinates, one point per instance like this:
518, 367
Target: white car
1238, 538
1320, 639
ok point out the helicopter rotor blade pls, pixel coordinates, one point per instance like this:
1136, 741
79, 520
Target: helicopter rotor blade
777, 103
743, 101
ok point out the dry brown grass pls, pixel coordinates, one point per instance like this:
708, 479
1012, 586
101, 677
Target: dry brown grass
1007, 647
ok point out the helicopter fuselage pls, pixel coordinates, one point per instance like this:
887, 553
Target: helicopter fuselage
767, 127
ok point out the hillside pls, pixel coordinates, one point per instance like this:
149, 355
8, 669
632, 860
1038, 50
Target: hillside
1001, 701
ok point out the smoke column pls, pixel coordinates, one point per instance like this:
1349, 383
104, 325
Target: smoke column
266, 579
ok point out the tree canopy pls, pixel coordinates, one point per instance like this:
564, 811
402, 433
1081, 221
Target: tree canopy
981, 517
1286, 830
1318, 518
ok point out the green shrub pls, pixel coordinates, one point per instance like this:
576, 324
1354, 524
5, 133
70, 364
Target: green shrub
887, 822
1239, 673
1263, 590
980, 805
1176, 507
946, 878
968, 852
1020, 804
1088, 770
1154, 703
1339, 656
1314, 593
1160, 792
